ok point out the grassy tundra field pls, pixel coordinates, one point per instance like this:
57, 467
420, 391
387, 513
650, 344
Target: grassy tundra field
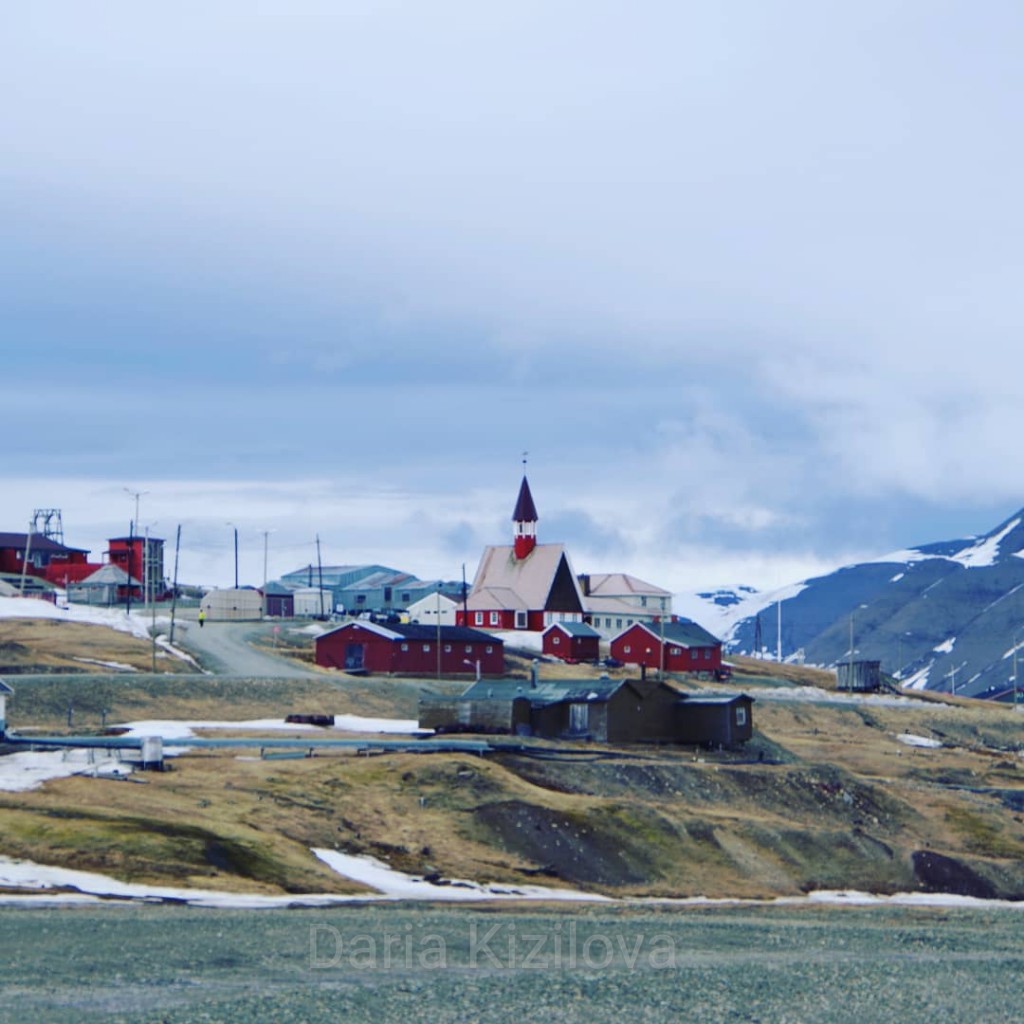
174, 965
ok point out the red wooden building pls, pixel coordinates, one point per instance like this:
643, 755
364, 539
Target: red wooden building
410, 649
678, 646
142, 558
523, 585
572, 641
45, 557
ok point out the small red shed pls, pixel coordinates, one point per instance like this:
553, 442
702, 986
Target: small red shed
572, 641
410, 649
678, 646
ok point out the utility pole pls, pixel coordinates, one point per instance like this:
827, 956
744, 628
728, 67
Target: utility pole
778, 631
320, 577
174, 592
236, 558
263, 609
1015, 641
131, 551
24, 561
438, 601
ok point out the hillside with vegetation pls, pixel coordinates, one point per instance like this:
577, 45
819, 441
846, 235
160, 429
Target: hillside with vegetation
883, 793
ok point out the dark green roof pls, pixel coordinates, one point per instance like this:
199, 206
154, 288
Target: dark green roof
547, 691
684, 632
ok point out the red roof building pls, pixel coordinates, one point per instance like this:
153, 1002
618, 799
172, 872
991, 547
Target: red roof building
572, 641
410, 649
679, 646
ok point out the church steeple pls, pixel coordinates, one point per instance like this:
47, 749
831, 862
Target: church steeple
525, 518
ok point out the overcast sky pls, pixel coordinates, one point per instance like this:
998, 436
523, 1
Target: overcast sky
744, 278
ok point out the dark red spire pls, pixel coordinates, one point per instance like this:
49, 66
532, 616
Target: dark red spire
525, 510
525, 518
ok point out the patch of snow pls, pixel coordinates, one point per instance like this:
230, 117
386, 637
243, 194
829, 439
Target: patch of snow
164, 643
23, 874
897, 577
986, 551
120, 666
917, 741
919, 680
313, 629
29, 769
816, 695
394, 884
946, 646
524, 639
175, 729
90, 887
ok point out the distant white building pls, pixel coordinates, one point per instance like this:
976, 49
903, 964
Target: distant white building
312, 602
614, 601
433, 609
232, 605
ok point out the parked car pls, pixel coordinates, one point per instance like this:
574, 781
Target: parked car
611, 662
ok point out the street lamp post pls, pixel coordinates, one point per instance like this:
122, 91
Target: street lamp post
235, 528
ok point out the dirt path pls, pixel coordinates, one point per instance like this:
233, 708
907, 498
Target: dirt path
225, 648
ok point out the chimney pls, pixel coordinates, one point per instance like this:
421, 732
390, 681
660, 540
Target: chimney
585, 583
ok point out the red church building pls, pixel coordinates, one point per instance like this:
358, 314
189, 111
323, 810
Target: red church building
523, 585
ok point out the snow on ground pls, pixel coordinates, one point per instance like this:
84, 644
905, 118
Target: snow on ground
394, 884
40, 880
946, 646
524, 639
32, 608
917, 741
23, 874
313, 629
177, 729
137, 623
120, 666
29, 769
815, 695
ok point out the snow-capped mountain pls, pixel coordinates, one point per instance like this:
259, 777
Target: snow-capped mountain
941, 616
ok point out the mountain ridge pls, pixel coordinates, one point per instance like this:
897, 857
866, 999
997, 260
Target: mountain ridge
944, 615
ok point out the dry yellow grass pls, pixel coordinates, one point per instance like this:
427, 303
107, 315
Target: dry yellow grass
847, 811
55, 644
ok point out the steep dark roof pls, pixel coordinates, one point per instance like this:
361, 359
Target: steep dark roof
525, 510
39, 543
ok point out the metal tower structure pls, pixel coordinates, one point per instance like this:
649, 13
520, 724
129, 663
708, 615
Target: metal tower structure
52, 528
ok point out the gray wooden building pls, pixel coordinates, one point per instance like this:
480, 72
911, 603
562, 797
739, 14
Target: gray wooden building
864, 676
603, 710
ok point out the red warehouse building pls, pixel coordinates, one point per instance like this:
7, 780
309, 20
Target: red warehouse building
678, 646
572, 641
409, 649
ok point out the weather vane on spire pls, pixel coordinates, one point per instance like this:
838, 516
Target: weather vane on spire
524, 457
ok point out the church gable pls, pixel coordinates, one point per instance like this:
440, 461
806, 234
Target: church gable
563, 595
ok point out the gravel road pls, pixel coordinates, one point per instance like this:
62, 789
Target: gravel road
225, 648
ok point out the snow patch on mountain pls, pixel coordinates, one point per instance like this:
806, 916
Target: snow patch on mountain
985, 551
